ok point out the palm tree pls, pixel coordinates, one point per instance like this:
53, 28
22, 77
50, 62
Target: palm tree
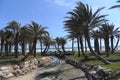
116, 6
72, 27
35, 30
7, 38
14, 26
24, 38
105, 32
113, 33
47, 43
57, 40
95, 35
2, 36
72, 38
62, 43
42, 37
87, 20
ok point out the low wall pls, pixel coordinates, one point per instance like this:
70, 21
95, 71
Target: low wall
16, 70
93, 72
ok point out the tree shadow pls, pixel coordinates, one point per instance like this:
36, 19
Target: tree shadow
80, 78
51, 74
115, 60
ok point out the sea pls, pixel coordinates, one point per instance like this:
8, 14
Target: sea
66, 49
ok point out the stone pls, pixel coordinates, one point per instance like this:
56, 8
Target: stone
35, 61
9, 75
16, 67
26, 64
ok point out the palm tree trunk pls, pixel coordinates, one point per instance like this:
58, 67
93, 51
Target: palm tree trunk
107, 48
44, 51
72, 44
81, 43
34, 45
96, 45
85, 45
100, 44
10, 47
58, 47
63, 48
25, 57
16, 50
41, 46
6, 48
23, 48
2, 44
78, 46
116, 44
112, 45
30, 47
16, 45
92, 52
47, 49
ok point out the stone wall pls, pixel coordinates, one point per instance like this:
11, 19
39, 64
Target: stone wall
93, 72
16, 70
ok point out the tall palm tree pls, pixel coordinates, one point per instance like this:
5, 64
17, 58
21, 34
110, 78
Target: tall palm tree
14, 26
47, 43
43, 36
24, 38
7, 38
62, 43
114, 32
95, 35
72, 38
87, 20
105, 32
57, 40
2, 36
35, 30
72, 27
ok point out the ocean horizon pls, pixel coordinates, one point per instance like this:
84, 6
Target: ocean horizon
66, 48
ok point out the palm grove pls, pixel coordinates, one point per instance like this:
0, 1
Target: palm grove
82, 24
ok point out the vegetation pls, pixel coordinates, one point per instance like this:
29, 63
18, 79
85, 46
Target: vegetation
114, 58
10, 60
82, 25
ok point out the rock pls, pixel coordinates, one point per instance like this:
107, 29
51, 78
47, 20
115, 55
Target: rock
35, 61
9, 75
16, 67
16, 70
92, 72
26, 64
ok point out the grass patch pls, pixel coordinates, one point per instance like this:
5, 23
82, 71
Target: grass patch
114, 58
10, 60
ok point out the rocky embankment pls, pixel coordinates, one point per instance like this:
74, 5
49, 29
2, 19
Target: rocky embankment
93, 72
6, 72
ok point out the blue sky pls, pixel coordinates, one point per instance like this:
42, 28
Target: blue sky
50, 13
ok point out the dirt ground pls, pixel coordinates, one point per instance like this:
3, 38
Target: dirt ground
54, 71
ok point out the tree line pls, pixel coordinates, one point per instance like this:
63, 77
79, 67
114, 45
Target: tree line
84, 24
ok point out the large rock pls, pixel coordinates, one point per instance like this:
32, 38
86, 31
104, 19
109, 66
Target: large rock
28, 66
6, 72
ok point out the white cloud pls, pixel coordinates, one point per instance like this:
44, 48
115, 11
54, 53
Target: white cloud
61, 2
